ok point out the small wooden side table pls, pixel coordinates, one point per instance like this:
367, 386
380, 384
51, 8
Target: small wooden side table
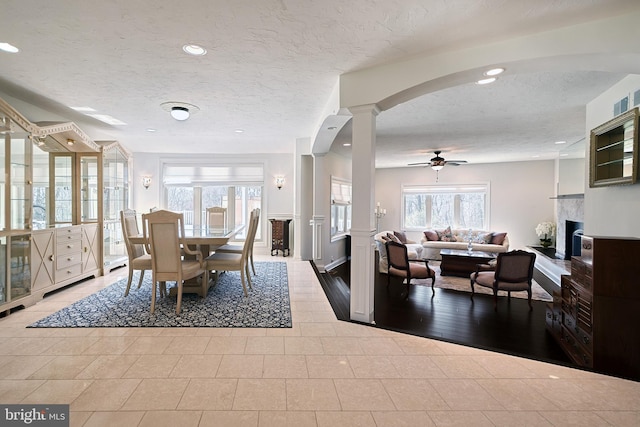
280, 236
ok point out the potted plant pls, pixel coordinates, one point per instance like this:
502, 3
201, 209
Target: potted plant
545, 231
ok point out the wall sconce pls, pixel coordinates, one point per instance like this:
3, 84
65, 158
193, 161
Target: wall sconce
146, 182
279, 182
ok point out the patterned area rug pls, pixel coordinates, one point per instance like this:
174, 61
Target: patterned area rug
267, 305
462, 284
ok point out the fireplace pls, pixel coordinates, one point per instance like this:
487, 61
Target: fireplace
572, 239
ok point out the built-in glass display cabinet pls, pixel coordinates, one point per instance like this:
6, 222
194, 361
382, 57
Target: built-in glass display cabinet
115, 190
15, 207
60, 198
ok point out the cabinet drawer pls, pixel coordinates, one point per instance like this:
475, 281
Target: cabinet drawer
68, 272
71, 233
66, 260
70, 247
576, 351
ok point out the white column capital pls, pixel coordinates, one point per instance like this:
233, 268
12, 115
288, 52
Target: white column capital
367, 108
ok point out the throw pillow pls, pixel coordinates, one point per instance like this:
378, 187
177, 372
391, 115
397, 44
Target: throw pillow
446, 235
401, 236
393, 238
384, 238
498, 238
483, 238
431, 236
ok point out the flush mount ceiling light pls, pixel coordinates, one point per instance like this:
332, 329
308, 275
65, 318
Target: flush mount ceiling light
180, 113
180, 110
194, 49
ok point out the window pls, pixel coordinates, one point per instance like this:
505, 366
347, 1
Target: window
461, 206
191, 189
340, 207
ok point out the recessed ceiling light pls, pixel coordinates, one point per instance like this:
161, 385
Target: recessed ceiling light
238, 130
494, 72
560, 142
151, 130
194, 49
486, 81
347, 144
8, 47
564, 154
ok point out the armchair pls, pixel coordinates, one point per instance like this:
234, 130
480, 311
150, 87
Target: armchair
513, 272
401, 266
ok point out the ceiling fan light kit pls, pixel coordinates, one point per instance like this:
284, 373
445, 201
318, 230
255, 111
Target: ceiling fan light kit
437, 163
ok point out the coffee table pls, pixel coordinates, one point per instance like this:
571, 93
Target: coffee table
462, 263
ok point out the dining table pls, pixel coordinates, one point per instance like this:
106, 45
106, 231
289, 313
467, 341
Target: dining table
207, 239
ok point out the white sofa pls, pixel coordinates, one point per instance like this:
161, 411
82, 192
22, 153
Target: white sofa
414, 250
431, 248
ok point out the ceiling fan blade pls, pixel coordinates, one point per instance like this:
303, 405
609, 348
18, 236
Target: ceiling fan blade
417, 164
456, 161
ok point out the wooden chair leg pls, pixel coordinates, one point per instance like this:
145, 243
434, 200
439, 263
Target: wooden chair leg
126, 292
244, 288
141, 278
153, 297
179, 297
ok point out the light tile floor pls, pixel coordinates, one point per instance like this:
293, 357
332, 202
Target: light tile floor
321, 372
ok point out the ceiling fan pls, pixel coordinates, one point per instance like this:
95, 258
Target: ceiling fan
437, 163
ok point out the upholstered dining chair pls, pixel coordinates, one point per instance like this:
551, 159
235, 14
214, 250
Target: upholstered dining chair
139, 259
166, 241
234, 261
216, 217
513, 271
237, 249
401, 266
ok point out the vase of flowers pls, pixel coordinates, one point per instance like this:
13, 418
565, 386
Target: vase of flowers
546, 231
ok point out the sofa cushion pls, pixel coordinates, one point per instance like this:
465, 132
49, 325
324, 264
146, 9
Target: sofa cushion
498, 238
431, 235
401, 236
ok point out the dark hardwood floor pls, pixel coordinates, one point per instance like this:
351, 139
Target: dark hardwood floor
451, 316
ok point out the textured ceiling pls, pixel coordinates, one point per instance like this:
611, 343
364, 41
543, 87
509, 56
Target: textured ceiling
272, 65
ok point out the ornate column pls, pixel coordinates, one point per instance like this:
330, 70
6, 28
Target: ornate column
362, 219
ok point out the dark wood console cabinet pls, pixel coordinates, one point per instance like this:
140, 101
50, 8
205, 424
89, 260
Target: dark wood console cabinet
280, 236
596, 314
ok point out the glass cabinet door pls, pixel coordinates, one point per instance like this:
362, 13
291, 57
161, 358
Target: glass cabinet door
88, 188
20, 176
115, 199
41, 202
62, 178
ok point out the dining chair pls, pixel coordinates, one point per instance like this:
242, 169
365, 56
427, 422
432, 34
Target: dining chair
229, 247
216, 217
166, 241
139, 259
234, 261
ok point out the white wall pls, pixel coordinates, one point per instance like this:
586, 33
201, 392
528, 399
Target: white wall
611, 211
277, 203
520, 194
